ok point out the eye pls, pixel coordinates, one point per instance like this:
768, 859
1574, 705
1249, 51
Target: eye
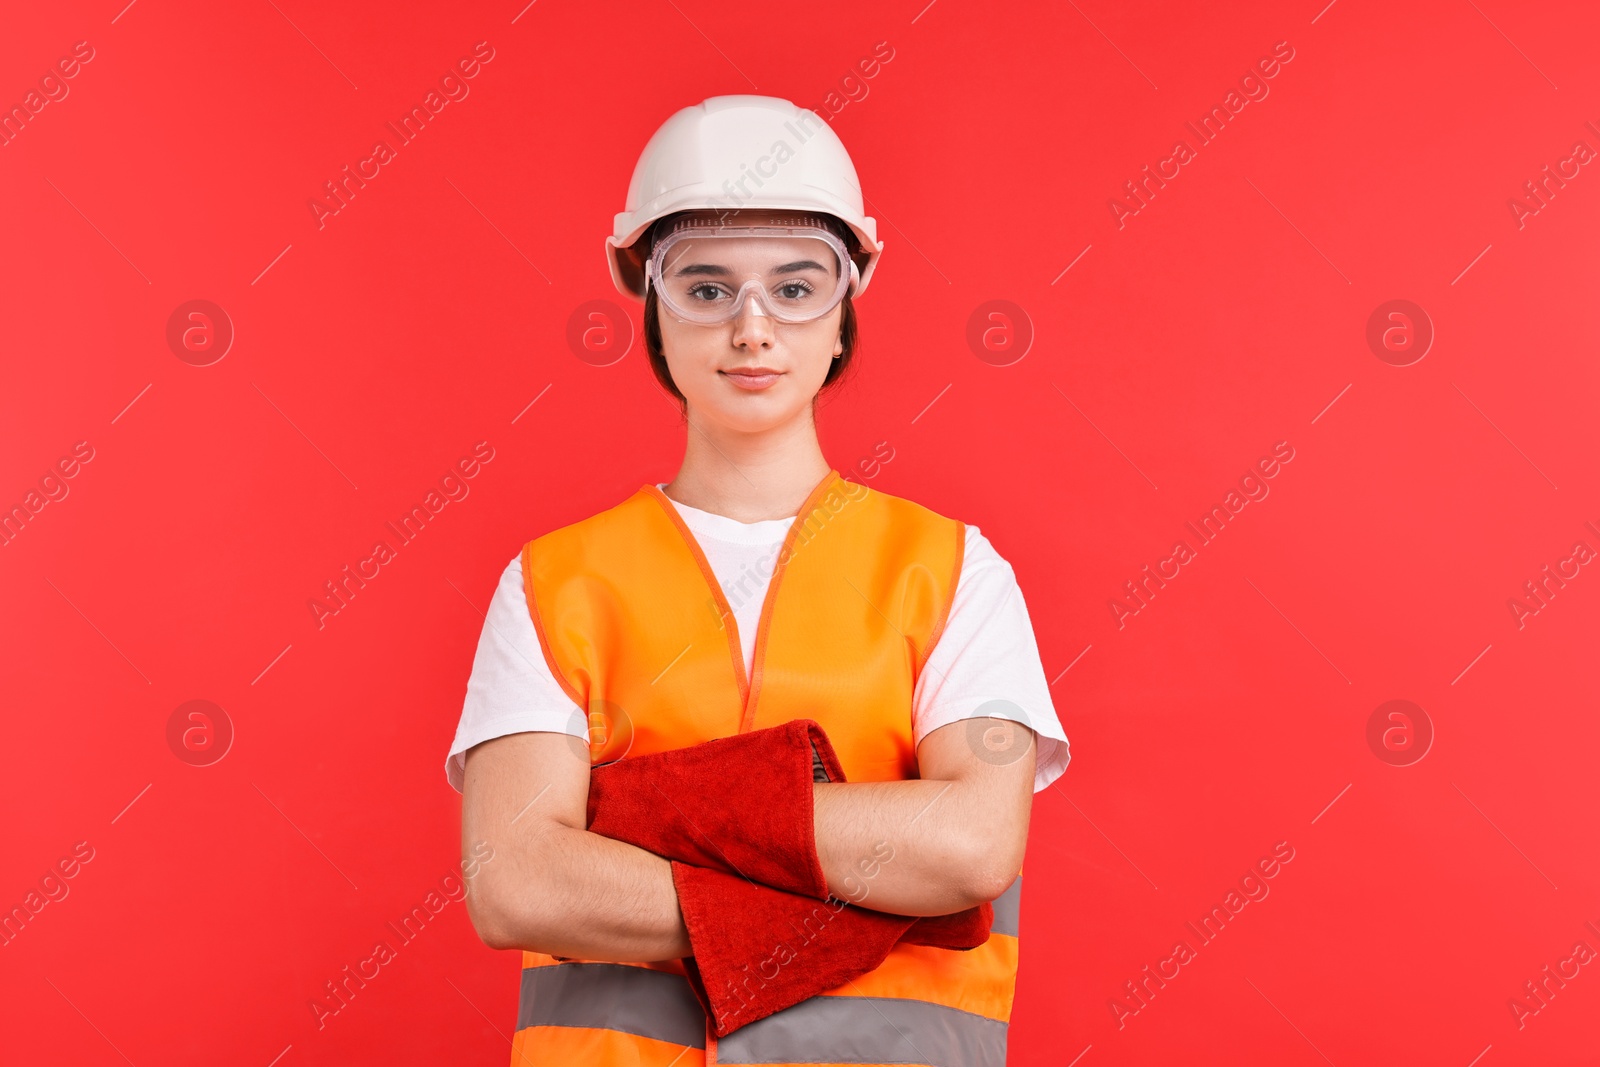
795, 290
704, 292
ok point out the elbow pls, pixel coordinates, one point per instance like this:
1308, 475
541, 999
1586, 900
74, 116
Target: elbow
992, 866
489, 921
987, 885
499, 924
497, 937
508, 902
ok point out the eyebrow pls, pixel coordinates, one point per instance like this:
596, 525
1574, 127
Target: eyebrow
719, 270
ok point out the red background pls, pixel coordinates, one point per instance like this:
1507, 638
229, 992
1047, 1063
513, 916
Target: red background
1225, 316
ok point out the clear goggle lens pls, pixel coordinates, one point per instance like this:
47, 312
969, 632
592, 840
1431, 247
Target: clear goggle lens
705, 273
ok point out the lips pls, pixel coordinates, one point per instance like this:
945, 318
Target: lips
752, 378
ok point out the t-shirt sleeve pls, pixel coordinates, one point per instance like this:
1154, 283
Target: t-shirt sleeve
511, 689
986, 663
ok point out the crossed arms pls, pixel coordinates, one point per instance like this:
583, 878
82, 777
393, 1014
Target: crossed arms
957, 836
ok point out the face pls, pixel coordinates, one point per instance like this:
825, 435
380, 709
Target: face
714, 366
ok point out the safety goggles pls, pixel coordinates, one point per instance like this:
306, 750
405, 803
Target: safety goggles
796, 272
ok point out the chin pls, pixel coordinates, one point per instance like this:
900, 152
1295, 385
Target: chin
744, 423
756, 414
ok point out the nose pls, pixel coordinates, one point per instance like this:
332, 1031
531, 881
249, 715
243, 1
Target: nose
752, 326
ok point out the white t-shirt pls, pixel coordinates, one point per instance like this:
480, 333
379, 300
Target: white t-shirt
986, 662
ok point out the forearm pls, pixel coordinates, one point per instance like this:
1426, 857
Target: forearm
917, 847
590, 897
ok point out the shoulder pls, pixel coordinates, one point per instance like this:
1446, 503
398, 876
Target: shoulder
981, 553
899, 506
986, 575
598, 532
901, 519
978, 554
979, 558
906, 533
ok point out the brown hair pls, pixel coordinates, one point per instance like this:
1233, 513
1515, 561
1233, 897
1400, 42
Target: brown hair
652, 323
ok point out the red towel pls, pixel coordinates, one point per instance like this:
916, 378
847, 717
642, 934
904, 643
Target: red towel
743, 805
758, 950
740, 804
735, 815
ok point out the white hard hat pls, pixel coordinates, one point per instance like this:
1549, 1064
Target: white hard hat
735, 152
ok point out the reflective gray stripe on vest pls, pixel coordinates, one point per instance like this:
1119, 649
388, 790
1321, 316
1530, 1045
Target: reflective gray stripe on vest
1008, 909
613, 996
868, 1030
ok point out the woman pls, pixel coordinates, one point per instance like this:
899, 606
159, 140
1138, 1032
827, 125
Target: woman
756, 588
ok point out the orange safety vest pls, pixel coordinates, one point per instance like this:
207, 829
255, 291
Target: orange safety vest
634, 625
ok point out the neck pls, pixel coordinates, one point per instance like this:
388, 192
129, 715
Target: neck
749, 477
